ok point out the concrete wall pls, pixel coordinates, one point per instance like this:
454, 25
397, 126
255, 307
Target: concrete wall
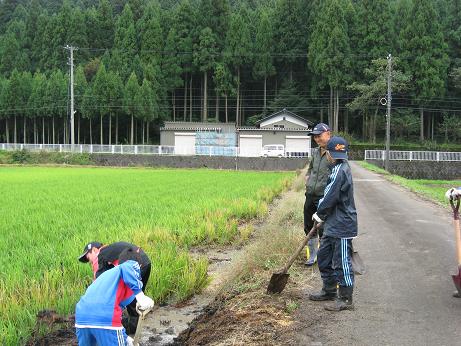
216, 162
423, 169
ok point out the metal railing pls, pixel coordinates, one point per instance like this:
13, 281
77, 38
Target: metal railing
413, 155
142, 149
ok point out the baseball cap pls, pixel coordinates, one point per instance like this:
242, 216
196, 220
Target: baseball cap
338, 147
87, 248
320, 128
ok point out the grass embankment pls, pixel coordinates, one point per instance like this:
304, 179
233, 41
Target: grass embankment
432, 189
48, 214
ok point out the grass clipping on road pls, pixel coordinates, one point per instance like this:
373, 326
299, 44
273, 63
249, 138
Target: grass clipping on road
243, 314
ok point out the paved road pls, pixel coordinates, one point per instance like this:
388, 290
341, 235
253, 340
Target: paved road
406, 296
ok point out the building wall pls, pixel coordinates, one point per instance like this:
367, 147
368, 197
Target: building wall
273, 137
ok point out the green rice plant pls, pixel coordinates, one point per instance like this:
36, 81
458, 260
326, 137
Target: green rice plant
49, 213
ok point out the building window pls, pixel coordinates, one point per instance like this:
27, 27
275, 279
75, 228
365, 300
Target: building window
280, 126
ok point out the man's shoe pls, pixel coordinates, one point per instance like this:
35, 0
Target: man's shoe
323, 295
340, 304
343, 301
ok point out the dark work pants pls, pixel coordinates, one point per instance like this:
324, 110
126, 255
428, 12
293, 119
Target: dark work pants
131, 321
334, 261
310, 208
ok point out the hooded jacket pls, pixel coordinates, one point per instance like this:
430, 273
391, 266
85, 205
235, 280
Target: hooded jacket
337, 207
102, 304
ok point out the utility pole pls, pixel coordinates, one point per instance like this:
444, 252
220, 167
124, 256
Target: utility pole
388, 115
72, 112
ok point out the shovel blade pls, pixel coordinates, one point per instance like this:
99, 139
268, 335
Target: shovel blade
277, 283
457, 280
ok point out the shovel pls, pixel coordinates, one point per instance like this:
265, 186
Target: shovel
279, 279
137, 335
455, 207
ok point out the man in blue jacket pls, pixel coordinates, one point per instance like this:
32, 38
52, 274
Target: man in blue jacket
98, 314
336, 210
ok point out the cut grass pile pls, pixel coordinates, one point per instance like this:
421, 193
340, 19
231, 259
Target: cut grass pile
432, 189
47, 214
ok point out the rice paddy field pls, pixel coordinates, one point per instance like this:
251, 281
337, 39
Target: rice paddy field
47, 215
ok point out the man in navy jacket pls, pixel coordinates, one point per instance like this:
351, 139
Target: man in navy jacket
336, 210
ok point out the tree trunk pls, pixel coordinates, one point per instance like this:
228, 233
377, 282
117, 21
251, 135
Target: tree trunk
147, 132
190, 98
54, 134
375, 118
237, 114
217, 107
421, 127
336, 110
91, 132
110, 129
346, 121
116, 129
24, 140
132, 130
242, 115
142, 131
101, 139
321, 115
64, 133
227, 115
205, 100
7, 130
43, 130
173, 101
79, 119
265, 95
432, 127
35, 130
185, 98
15, 130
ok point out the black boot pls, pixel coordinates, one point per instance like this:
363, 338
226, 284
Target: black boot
343, 301
328, 292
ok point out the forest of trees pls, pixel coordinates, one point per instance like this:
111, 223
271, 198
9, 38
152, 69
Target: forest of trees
138, 63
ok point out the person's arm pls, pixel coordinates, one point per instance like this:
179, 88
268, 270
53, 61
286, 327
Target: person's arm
331, 193
131, 275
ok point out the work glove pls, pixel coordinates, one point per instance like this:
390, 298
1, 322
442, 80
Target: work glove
144, 302
129, 341
315, 217
453, 193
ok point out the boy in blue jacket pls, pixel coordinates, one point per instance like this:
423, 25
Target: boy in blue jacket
337, 211
98, 314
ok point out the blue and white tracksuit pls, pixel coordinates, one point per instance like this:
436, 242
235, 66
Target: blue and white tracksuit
337, 209
98, 314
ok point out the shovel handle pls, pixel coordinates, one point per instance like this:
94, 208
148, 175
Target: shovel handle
455, 207
300, 248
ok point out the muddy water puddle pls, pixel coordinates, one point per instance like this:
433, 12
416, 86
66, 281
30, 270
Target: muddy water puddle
165, 323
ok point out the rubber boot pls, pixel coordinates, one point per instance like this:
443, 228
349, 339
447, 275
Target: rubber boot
328, 292
343, 301
313, 245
